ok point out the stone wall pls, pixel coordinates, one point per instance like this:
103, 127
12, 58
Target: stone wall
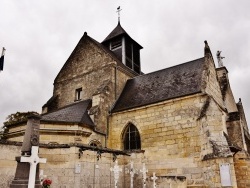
210, 80
95, 71
169, 134
213, 125
59, 134
177, 136
87, 66
8, 163
242, 169
211, 173
226, 91
66, 134
234, 131
67, 169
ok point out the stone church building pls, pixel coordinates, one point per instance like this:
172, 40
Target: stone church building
181, 122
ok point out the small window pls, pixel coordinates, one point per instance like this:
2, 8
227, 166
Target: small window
132, 140
78, 94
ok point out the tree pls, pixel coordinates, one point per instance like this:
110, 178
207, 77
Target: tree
18, 117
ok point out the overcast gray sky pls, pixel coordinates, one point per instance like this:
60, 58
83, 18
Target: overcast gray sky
40, 35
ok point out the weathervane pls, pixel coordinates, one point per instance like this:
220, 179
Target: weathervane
219, 58
118, 11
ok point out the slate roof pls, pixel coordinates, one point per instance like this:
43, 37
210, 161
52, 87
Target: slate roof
177, 81
74, 113
118, 31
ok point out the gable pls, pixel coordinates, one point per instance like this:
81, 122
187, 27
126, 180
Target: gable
173, 82
87, 55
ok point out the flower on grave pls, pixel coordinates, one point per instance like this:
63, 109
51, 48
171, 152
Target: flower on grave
46, 183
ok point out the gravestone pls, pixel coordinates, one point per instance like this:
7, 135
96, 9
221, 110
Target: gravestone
132, 173
31, 138
34, 160
144, 174
154, 178
116, 171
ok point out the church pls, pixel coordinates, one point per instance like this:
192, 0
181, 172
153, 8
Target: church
180, 124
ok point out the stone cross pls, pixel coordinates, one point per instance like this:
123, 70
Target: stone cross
132, 173
33, 160
154, 178
144, 174
116, 171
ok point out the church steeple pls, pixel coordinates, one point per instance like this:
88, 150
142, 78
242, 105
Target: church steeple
124, 47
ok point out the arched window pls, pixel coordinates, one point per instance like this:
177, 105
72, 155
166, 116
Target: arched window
132, 140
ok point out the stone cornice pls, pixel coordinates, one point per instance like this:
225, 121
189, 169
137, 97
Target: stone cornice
51, 131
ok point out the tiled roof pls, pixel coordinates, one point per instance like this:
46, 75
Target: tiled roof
74, 113
181, 80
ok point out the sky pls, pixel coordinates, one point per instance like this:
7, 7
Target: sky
40, 35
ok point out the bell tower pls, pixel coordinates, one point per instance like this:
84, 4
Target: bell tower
124, 47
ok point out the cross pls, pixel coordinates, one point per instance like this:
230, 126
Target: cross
154, 178
131, 174
144, 174
42, 176
33, 160
219, 57
116, 171
118, 11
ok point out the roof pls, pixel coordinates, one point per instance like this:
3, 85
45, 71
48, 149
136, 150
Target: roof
118, 31
73, 113
177, 81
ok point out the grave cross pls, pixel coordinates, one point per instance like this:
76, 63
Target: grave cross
144, 174
116, 171
132, 173
154, 178
33, 160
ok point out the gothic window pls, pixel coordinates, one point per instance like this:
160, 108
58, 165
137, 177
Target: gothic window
132, 140
78, 94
